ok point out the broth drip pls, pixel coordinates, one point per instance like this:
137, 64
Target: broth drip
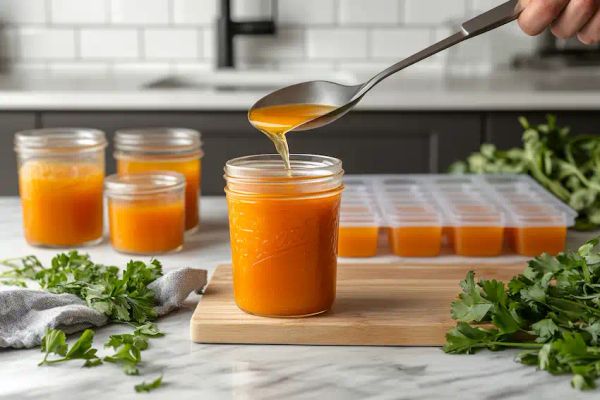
277, 121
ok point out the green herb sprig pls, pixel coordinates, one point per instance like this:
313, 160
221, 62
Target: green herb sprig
147, 387
551, 311
567, 165
55, 342
123, 297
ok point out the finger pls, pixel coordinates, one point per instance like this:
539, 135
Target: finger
539, 14
573, 18
590, 33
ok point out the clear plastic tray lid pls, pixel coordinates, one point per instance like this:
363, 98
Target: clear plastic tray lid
451, 200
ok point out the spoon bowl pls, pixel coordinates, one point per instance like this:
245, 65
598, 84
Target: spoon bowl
314, 92
344, 97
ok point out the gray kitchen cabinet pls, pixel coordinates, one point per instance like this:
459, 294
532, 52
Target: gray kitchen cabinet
367, 142
504, 130
11, 122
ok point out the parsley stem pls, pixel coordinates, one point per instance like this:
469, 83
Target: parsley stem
523, 345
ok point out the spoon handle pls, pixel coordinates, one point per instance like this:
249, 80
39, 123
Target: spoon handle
485, 22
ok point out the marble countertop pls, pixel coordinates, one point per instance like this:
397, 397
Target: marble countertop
195, 371
407, 91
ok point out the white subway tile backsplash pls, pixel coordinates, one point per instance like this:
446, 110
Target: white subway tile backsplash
397, 43
287, 44
198, 12
109, 43
179, 35
251, 9
165, 43
148, 12
23, 11
28, 67
208, 44
434, 12
479, 6
144, 68
303, 66
78, 11
78, 68
331, 43
192, 68
375, 12
9, 37
47, 43
306, 12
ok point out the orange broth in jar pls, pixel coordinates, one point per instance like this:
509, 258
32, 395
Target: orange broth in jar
284, 232
165, 149
62, 203
61, 174
146, 212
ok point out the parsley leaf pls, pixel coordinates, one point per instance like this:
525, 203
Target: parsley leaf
54, 342
147, 387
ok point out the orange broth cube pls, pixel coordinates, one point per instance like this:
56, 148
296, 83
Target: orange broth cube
534, 240
478, 241
62, 202
416, 241
448, 235
358, 241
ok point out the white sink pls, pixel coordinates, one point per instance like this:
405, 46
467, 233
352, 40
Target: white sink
244, 80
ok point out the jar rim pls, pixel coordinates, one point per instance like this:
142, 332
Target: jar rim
158, 140
60, 139
272, 166
143, 183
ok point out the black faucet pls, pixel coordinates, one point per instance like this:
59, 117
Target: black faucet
227, 29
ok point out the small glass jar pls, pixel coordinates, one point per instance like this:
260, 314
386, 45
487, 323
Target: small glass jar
61, 173
146, 212
164, 149
284, 232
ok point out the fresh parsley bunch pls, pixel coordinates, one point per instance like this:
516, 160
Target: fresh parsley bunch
123, 297
565, 164
551, 311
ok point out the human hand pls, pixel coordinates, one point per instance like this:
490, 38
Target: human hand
566, 18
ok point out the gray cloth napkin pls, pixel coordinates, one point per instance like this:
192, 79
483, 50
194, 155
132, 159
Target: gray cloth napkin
25, 314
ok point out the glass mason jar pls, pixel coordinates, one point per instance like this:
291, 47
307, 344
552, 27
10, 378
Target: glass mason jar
61, 173
164, 149
146, 212
284, 230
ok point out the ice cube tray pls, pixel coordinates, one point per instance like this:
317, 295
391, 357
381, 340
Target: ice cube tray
474, 215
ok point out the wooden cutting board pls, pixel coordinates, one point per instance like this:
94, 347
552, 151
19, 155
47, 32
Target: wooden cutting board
376, 304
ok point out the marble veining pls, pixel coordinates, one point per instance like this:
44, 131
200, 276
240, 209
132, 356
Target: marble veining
194, 371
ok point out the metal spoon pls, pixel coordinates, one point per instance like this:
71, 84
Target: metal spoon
346, 97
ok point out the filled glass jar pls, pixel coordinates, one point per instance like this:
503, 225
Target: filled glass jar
61, 173
164, 149
284, 233
146, 212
